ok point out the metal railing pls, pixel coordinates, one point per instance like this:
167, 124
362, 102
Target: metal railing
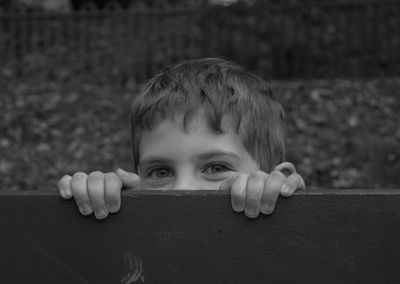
334, 39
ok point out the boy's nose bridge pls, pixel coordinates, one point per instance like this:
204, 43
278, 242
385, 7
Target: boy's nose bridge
185, 185
186, 181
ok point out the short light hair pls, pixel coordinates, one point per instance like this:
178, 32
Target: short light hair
221, 88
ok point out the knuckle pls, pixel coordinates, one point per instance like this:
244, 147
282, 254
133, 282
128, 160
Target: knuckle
242, 176
64, 180
111, 175
79, 176
113, 184
288, 168
293, 179
296, 181
273, 185
296, 177
276, 179
78, 180
288, 164
238, 190
258, 175
95, 180
96, 175
112, 180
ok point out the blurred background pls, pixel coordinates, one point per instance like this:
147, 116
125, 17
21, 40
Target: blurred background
69, 70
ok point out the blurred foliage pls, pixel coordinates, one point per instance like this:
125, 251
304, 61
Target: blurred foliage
57, 119
343, 133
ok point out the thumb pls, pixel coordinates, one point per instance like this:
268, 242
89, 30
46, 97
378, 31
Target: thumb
286, 168
129, 180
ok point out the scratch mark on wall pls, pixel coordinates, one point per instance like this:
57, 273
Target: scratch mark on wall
54, 260
170, 235
135, 269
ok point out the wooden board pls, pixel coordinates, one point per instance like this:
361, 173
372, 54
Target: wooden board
194, 237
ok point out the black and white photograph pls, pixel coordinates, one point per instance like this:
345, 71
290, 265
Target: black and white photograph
199, 141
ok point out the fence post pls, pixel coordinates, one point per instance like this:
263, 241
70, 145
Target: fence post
205, 18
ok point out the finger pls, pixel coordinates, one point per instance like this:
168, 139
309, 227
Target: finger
292, 183
112, 192
64, 187
79, 191
286, 168
255, 186
238, 192
227, 185
129, 180
272, 188
96, 194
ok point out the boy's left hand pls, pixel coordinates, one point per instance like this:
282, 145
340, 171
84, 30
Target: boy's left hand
259, 191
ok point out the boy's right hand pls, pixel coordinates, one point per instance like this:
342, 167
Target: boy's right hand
97, 192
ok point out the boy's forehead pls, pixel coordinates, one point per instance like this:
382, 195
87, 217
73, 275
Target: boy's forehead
170, 133
190, 122
197, 124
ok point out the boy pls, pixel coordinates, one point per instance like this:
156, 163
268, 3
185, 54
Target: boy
202, 124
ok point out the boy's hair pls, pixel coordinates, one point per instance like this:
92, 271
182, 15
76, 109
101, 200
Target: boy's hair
220, 88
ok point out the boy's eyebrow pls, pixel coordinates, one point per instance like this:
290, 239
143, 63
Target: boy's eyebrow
202, 156
215, 153
154, 159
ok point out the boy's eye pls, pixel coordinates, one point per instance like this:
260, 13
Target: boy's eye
216, 169
160, 173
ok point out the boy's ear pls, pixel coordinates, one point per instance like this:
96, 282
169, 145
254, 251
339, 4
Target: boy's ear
286, 168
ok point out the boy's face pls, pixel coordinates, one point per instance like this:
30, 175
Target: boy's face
199, 158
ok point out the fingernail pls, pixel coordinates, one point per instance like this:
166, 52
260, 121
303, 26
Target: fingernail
86, 209
285, 189
100, 213
267, 208
63, 193
113, 208
66, 194
251, 213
